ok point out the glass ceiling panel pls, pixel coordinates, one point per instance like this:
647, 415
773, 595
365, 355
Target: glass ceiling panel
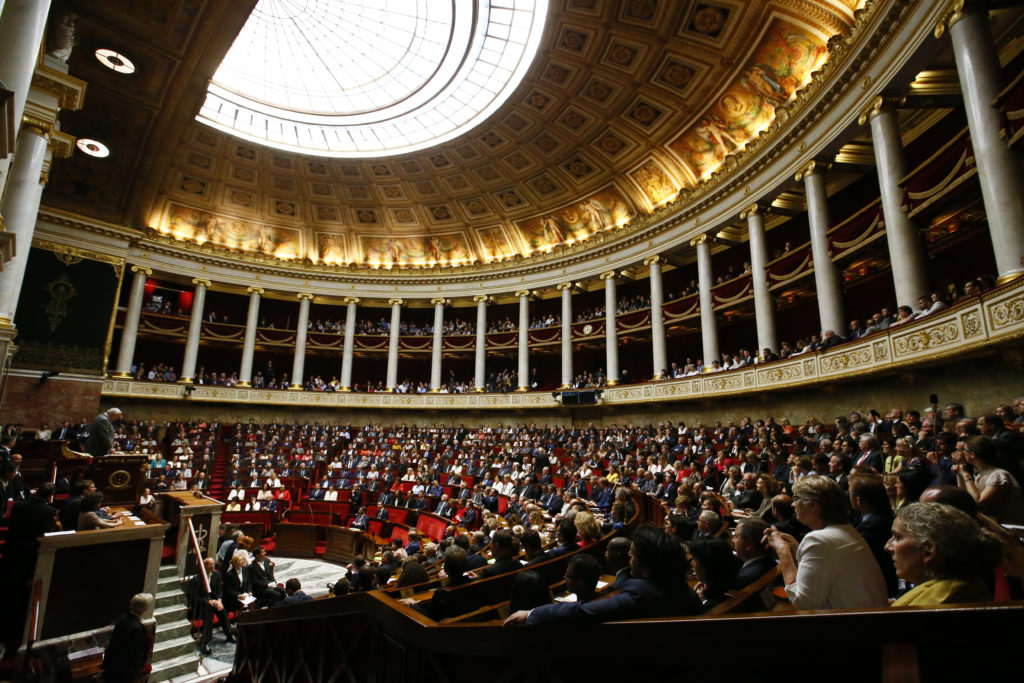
325, 76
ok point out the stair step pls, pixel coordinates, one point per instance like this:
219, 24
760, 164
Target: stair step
175, 647
171, 630
170, 597
168, 570
166, 583
171, 613
173, 668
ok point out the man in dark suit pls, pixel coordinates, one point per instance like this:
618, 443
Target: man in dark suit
747, 542
870, 455
503, 550
444, 508
209, 602
29, 519
126, 655
785, 517
869, 499
101, 433
261, 574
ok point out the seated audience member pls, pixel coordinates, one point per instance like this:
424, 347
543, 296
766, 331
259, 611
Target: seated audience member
412, 573
292, 593
208, 596
503, 550
996, 491
587, 528
944, 553
261, 578
616, 559
532, 546
746, 542
832, 567
341, 587
951, 495
581, 577
455, 567
528, 590
88, 518
235, 579
566, 536
657, 588
870, 503
716, 568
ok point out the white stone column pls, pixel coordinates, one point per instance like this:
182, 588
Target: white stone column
301, 332
566, 289
999, 171
350, 340
764, 305
130, 331
611, 338
396, 321
706, 280
195, 326
19, 209
659, 354
22, 26
252, 321
826, 275
906, 252
438, 346
524, 339
480, 369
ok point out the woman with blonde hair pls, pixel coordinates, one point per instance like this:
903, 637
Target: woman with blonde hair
587, 527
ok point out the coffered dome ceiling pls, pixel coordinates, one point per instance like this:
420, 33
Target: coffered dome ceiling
626, 104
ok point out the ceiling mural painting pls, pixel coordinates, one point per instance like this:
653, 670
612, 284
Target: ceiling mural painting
626, 105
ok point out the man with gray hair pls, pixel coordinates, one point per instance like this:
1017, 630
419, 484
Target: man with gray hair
870, 455
130, 644
100, 441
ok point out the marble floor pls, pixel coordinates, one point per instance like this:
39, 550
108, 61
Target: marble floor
314, 576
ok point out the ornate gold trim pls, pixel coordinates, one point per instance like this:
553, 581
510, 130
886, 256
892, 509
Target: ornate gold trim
304, 296
608, 275
439, 301
813, 166
1009, 277
953, 13
69, 91
520, 293
755, 209
200, 282
351, 300
142, 269
563, 286
243, 383
254, 290
482, 297
651, 260
39, 125
396, 301
61, 145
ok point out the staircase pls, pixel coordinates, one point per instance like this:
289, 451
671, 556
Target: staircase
221, 456
174, 653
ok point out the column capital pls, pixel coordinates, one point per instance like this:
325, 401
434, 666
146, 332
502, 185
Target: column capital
200, 282
755, 209
813, 166
61, 144
254, 290
654, 259
351, 300
396, 302
702, 239
482, 297
304, 295
879, 104
523, 293
953, 13
608, 275
142, 269
562, 286
37, 124
439, 301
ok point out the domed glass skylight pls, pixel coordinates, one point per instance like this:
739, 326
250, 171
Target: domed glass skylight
370, 78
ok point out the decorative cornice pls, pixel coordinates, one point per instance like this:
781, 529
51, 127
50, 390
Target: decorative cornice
814, 166
254, 290
201, 282
755, 209
953, 13
142, 269
61, 144
70, 255
69, 91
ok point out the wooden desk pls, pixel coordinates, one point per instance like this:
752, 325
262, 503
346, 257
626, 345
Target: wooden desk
296, 540
204, 512
343, 544
88, 577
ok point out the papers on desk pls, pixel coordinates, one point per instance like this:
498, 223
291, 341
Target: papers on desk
59, 533
247, 600
601, 584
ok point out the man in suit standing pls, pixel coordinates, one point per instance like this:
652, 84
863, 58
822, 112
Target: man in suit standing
100, 441
126, 655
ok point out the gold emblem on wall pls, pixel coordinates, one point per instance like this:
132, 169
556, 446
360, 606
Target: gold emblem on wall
61, 291
119, 479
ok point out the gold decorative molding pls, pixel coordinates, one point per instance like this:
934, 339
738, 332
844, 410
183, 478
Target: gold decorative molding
953, 13
520, 293
878, 104
200, 282
37, 124
61, 145
813, 166
439, 301
396, 302
255, 290
608, 275
351, 300
304, 296
564, 286
142, 269
482, 297
69, 255
650, 260
69, 91
703, 238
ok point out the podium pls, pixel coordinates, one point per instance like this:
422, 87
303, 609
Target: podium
121, 478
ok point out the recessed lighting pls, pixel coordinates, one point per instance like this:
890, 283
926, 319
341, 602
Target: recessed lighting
115, 60
93, 148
